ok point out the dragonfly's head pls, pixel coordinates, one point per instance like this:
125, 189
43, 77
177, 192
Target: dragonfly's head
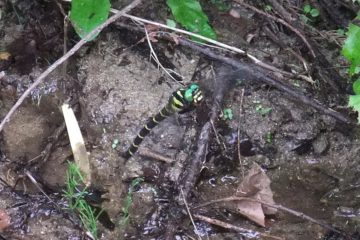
193, 94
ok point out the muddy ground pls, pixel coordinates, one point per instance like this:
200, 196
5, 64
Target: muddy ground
311, 159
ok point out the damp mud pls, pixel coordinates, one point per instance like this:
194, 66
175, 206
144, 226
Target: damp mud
311, 159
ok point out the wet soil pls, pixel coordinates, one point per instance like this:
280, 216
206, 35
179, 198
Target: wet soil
312, 160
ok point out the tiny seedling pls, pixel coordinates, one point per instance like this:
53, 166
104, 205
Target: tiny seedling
269, 137
262, 110
227, 114
76, 199
115, 143
170, 23
268, 8
341, 32
313, 12
310, 14
128, 201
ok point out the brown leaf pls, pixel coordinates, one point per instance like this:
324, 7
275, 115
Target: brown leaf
4, 220
151, 27
255, 185
4, 55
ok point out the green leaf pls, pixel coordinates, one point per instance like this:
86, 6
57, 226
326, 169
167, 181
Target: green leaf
228, 114
341, 32
356, 86
190, 15
86, 15
314, 12
354, 102
351, 49
170, 23
268, 8
263, 111
307, 8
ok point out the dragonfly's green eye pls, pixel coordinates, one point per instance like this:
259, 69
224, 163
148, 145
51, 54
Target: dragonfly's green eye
190, 92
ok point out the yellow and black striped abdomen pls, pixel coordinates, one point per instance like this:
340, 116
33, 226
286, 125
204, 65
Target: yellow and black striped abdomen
151, 123
177, 103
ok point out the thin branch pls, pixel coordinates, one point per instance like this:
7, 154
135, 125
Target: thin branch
259, 74
242, 231
189, 213
283, 22
145, 152
277, 206
58, 62
154, 56
220, 44
238, 134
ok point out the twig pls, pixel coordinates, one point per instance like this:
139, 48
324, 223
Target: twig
279, 20
189, 213
258, 74
238, 134
242, 231
219, 44
145, 152
194, 168
255, 72
58, 62
154, 56
278, 41
277, 206
192, 171
217, 136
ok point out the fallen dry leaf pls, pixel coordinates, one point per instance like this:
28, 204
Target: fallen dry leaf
256, 185
4, 55
4, 220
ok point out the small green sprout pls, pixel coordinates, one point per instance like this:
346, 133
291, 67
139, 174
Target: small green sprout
313, 12
341, 32
268, 8
269, 137
310, 14
128, 201
262, 110
170, 23
115, 143
77, 201
227, 114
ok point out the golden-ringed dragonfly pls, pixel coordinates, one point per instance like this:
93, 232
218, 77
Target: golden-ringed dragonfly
181, 100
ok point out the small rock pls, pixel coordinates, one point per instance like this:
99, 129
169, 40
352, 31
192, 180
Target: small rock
234, 13
320, 144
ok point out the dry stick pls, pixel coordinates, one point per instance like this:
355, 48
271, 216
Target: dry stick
279, 20
260, 75
242, 231
238, 134
255, 71
277, 206
331, 77
58, 62
279, 42
146, 152
156, 59
189, 213
222, 45
193, 169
